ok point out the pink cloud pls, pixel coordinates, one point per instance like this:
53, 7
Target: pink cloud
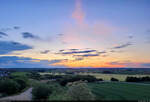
81, 33
78, 14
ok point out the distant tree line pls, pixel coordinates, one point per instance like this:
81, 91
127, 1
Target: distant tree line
137, 79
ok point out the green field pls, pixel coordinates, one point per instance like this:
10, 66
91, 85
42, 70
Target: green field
51, 73
121, 77
119, 91
19, 73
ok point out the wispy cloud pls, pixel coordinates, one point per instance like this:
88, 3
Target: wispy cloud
146, 64
5, 29
45, 52
78, 14
122, 46
77, 34
130, 37
27, 35
10, 46
87, 55
2, 34
25, 62
16, 27
78, 52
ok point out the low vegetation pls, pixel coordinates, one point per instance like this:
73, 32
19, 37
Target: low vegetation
41, 91
119, 91
79, 91
74, 85
136, 79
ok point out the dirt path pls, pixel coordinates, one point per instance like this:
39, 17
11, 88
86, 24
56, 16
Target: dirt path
26, 95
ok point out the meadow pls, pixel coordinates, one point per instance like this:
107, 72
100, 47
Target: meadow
119, 91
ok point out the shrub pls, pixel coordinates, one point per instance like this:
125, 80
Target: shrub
41, 91
88, 78
114, 79
22, 82
9, 87
80, 91
135, 79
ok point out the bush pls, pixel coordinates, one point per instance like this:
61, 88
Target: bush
80, 91
114, 79
135, 79
9, 87
67, 79
41, 91
22, 82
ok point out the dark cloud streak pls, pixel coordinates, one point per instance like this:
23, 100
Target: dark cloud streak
10, 46
122, 46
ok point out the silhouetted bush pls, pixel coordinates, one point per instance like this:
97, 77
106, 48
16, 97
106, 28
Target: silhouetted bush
100, 79
114, 79
135, 79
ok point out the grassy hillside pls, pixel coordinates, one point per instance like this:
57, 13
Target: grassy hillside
119, 91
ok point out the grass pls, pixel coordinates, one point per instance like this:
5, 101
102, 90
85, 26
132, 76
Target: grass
43, 73
107, 77
19, 74
119, 91
59, 94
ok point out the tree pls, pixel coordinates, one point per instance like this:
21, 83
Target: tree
114, 79
9, 86
22, 82
41, 91
80, 91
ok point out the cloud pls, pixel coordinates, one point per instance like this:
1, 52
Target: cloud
10, 46
79, 59
27, 35
60, 34
25, 62
87, 55
16, 27
5, 29
127, 64
122, 46
130, 37
102, 52
45, 52
73, 49
76, 34
78, 52
146, 64
2, 34
78, 14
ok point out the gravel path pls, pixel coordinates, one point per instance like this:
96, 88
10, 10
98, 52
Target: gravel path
26, 95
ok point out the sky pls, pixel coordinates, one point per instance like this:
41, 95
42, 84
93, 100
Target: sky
74, 34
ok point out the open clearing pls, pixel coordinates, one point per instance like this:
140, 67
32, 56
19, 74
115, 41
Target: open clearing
119, 91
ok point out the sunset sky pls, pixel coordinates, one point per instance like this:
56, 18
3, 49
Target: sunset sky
74, 33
